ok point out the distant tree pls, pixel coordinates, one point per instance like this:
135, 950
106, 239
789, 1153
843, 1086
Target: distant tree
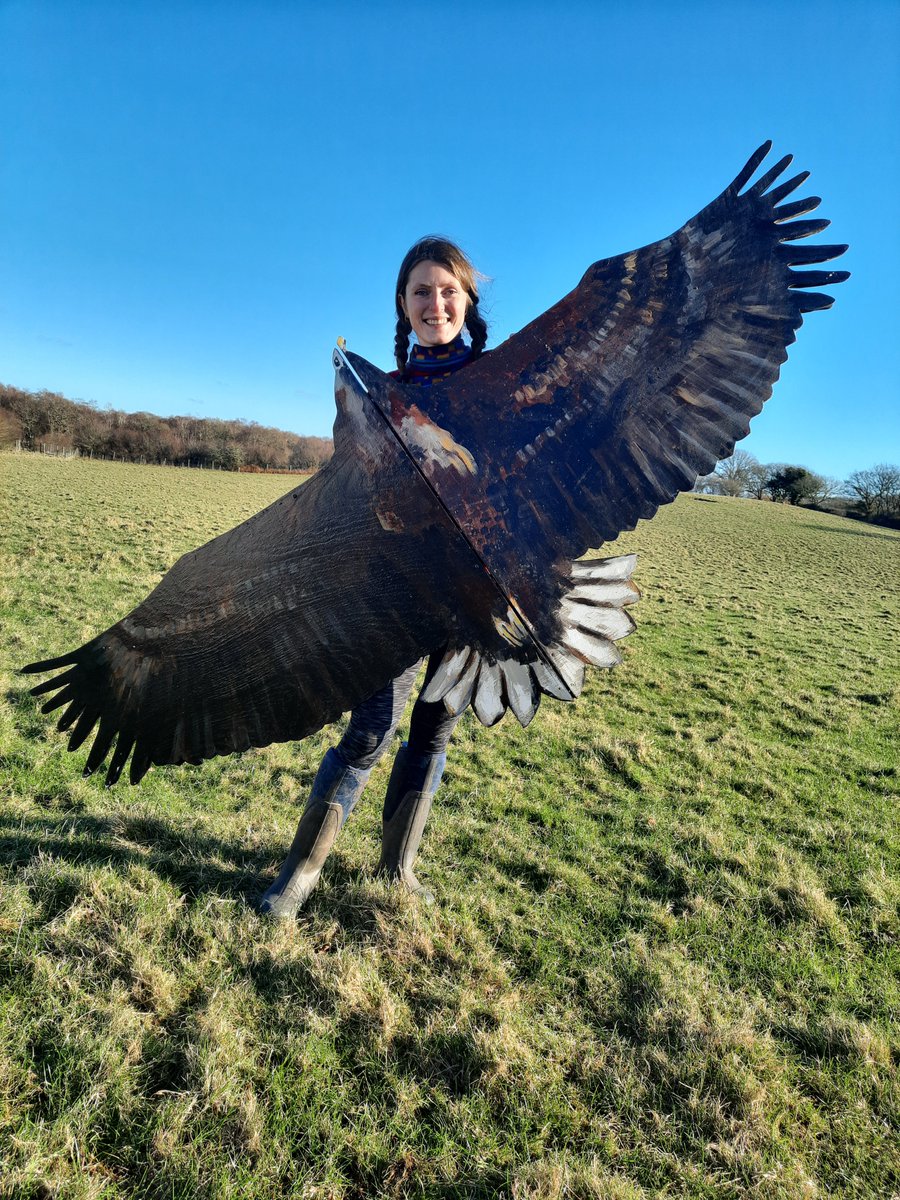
792, 484
758, 478
29, 411
58, 414
735, 473
864, 486
10, 428
826, 488
877, 489
733, 476
230, 458
87, 429
310, 452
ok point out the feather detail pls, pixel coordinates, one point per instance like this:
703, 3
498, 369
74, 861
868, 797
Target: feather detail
784, 189
797, 208
771, 175
749, 167
488, 701
803, 279
795, 230
520, 690
457, 698
451, 667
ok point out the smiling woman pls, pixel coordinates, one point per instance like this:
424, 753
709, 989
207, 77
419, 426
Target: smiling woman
435, 304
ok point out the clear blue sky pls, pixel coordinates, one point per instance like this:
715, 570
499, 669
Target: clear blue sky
197, 198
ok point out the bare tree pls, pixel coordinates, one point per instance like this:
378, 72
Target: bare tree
758, 477
732, 476
735, 473
877, 489
826, 488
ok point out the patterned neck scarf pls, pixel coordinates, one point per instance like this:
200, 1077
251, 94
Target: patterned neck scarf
428, 364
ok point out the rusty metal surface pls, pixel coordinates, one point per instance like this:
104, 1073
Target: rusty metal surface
454, 516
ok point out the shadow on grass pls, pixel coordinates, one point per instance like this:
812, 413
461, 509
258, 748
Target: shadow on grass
197, 864
852, 531
192, 861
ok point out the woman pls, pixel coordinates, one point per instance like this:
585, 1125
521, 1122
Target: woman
436, 298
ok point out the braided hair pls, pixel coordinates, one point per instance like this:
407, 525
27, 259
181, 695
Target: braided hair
449, 256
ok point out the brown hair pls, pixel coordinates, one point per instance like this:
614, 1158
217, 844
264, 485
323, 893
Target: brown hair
449, 256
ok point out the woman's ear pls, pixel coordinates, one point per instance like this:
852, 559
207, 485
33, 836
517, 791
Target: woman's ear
402, 304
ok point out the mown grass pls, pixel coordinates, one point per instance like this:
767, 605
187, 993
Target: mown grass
664, 958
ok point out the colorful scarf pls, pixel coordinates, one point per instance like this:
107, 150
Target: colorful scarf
428, 364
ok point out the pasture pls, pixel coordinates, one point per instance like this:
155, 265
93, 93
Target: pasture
664, 957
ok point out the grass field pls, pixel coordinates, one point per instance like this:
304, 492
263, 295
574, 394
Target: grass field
665, 957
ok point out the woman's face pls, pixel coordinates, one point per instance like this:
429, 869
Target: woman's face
435, 303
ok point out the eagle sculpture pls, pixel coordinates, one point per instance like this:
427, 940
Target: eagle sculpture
460, 528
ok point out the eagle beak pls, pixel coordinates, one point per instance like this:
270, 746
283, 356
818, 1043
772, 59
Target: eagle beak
342, 363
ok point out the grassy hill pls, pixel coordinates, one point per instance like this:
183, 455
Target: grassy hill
664, 958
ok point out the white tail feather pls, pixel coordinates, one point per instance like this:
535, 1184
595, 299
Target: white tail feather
488, 700
604, 568
460, 694
451, 667
598, 651
522, 695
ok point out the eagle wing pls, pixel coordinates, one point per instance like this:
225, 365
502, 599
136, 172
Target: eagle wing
608, 405
274, 629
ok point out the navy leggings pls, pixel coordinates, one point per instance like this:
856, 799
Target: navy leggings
372, 723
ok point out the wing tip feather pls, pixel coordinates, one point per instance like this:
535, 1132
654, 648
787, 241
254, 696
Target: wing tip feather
750, 166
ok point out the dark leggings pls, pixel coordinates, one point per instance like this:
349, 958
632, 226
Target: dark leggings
372, 723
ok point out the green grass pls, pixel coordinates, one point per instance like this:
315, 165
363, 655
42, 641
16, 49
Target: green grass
664, 957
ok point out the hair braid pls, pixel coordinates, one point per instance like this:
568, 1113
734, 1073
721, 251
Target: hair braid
401, 342
477, 327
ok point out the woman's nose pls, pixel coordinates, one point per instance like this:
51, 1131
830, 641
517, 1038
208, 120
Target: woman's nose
434, 303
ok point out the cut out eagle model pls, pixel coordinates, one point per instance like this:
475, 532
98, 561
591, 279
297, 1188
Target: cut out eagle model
454, 519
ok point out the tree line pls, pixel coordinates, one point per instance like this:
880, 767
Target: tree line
873, 493
48, 420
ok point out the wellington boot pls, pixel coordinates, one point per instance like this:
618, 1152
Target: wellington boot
414, 780
335, 791
318, 827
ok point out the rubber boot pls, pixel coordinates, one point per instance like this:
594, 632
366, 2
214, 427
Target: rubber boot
335, 790
414, 780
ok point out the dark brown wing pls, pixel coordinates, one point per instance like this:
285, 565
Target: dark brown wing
635, 383
606, 407
274, 629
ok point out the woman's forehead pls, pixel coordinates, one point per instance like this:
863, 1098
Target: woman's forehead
431, 273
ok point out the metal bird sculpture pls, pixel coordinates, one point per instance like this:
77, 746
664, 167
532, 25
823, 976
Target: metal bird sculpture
461, 527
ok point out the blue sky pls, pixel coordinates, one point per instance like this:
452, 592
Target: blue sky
197, 198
